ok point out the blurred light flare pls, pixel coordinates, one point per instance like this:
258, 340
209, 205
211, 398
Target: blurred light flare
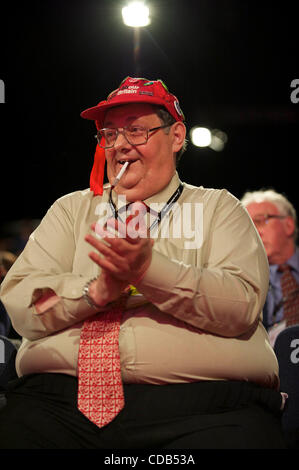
204, 137
219, 139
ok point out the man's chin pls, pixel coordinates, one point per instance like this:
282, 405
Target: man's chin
136, 192
129, 187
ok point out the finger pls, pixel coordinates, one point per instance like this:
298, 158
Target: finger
132, 231
106, 231
104, 263
95, 242
104, 249
119, 246
117, 225
110, 257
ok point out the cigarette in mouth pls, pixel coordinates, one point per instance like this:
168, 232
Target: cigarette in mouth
118, 177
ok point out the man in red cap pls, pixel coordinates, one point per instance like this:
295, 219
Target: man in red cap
140, 303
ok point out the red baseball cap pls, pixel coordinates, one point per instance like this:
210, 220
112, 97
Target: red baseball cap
136, 90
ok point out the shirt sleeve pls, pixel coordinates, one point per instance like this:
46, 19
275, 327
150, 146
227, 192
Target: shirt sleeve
226, 293
46, 265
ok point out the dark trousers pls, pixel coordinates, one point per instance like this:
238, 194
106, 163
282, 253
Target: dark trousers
41, 413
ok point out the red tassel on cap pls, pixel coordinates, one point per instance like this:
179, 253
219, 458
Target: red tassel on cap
97, 173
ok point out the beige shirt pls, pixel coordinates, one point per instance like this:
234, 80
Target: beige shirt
198, 315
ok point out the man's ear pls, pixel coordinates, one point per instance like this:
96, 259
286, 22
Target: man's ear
289, 225
179, 133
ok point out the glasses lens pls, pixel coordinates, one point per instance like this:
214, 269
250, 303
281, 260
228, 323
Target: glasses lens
109, 135
259, 220
136, 135
264, 219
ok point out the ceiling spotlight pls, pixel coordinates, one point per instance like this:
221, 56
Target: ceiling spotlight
136, 15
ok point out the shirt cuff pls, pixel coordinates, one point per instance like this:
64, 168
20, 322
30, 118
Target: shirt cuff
65, 286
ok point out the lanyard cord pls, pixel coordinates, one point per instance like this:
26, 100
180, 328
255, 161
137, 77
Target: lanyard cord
173, 198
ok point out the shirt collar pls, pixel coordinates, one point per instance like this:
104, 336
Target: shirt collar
161, 197
293, 261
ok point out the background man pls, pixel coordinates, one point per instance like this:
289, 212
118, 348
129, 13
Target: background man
276, 221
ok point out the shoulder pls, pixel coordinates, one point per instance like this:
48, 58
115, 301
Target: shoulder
216, 202
78, 203
75, 197
83, 197
209, 194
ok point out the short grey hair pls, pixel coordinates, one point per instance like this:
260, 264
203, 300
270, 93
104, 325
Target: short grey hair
284, 206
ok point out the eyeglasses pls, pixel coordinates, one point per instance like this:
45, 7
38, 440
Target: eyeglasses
263, 219
135, 135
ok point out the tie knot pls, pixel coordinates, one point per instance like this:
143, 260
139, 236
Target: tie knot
284, 267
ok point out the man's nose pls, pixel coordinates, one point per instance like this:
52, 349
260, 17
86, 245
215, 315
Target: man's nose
260, 229
121, 141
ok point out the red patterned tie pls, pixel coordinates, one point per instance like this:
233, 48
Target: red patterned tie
290, 292
100, 390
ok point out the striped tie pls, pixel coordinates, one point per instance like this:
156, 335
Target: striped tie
290, 292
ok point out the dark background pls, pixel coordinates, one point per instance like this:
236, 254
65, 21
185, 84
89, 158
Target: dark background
230, 62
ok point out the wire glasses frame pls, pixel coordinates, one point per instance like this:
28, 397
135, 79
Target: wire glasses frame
263, 219
134, 135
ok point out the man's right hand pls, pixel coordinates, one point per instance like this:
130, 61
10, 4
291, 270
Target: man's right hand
105, 289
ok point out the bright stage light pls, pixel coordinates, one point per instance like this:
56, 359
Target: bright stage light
200, 136
136, 14
204, 137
